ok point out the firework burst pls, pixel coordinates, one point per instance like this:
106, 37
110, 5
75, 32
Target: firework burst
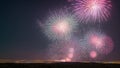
92, 10
100, 42
60, 25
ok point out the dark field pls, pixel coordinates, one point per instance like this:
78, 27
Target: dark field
58, 65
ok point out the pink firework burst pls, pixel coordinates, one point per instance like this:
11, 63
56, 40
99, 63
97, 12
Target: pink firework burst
108, 45
97, 41
92, 10
60, 25
101, 42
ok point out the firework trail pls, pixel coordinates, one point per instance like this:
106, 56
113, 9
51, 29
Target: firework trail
69, 56
92, 10
61, 51
67, 51
60, 25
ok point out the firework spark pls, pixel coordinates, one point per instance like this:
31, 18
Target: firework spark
60, 25
92, 10
93, 54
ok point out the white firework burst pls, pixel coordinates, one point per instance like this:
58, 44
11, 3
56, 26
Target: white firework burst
60, 25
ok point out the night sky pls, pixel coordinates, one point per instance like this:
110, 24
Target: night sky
22, 38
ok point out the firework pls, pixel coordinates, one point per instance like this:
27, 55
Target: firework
108, 45
71, 52
60, 51
96, 41
93, 54
92, 10
70, 55
60, 25
67, 51
99, 41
